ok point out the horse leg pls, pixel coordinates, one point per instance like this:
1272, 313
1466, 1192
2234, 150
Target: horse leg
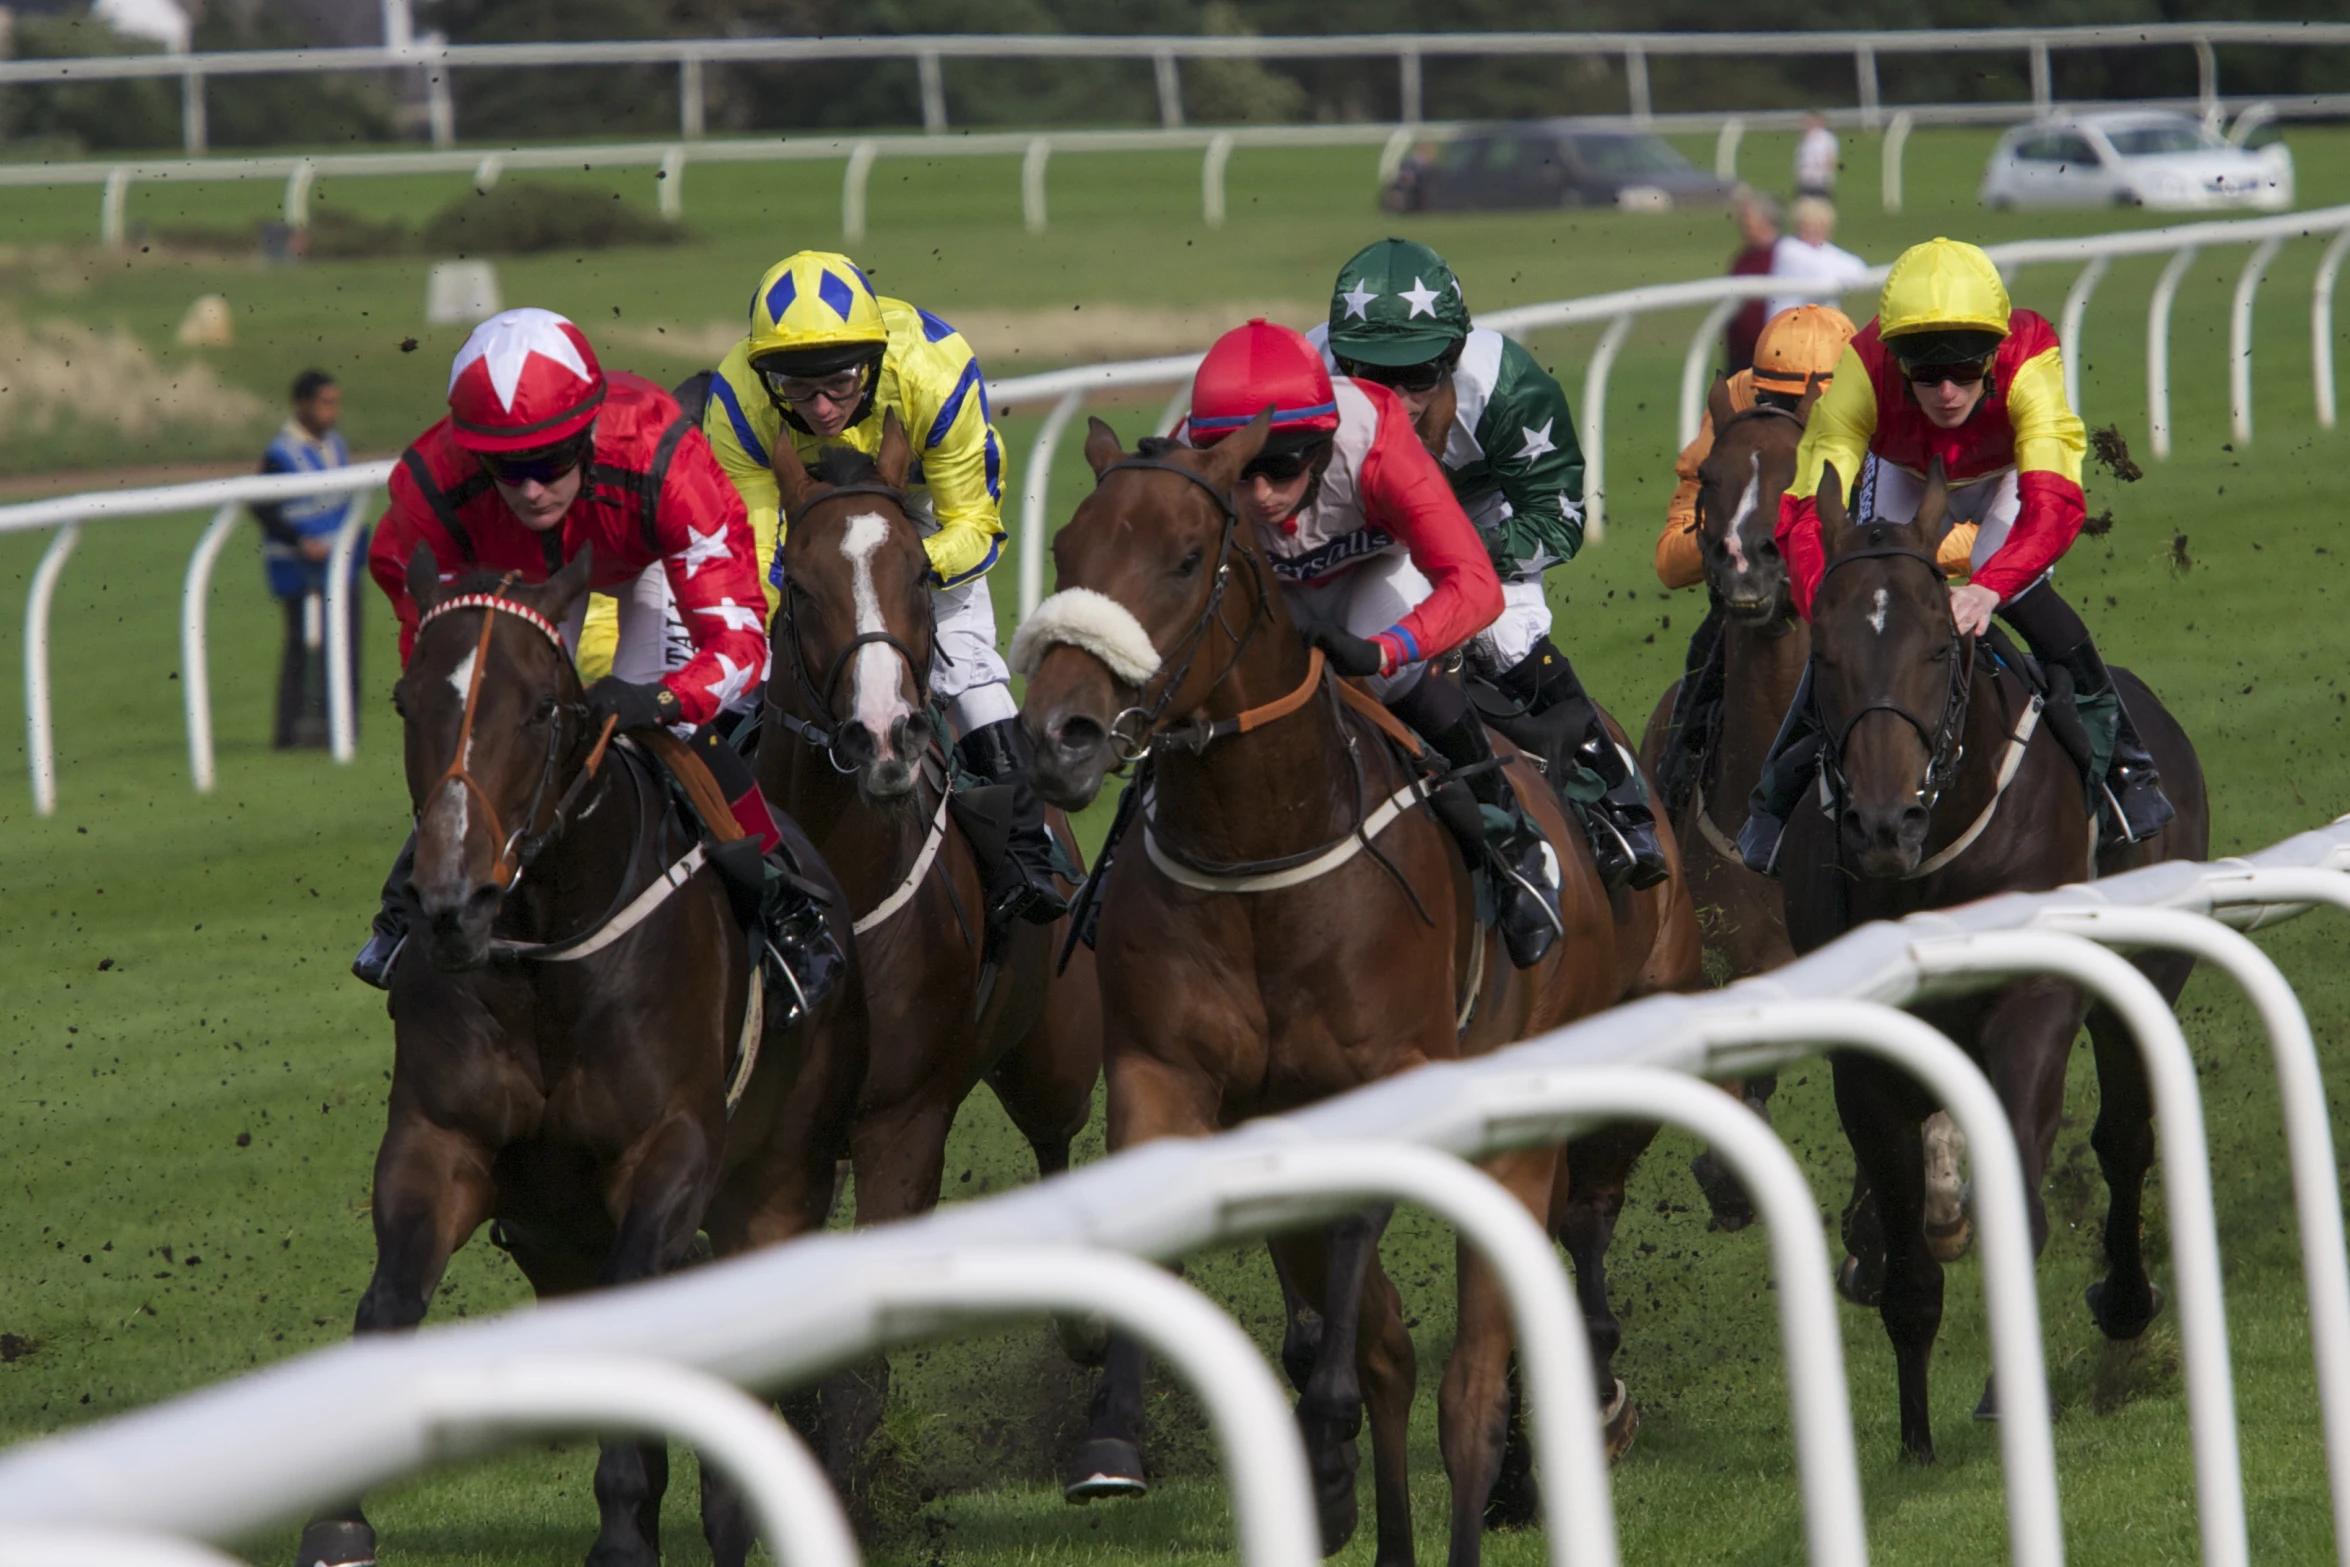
1882, 1117
433, 1188
2125, 1300
1390, 1372
1045, 1081
1599, 1166
1731, 1208
1330, 1399
1473, 1403
667, 1194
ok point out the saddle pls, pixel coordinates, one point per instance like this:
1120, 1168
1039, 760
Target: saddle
2053, 684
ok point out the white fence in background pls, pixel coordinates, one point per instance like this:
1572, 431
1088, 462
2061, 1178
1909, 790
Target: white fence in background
436, 60
1065, 392
223, 1463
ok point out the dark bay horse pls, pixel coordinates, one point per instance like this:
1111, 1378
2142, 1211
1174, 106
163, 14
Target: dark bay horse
1224, 997
563, 1056
1934, 807
849, 750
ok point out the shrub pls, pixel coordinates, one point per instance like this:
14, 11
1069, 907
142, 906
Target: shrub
521, 218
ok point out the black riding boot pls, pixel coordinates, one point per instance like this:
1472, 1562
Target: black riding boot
1786, 773
799, 955
2118, 759
1685, 732
1560, 725
374, 963
1024, 884
1498, 832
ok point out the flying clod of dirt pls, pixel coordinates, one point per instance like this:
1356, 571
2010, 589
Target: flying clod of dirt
14, 1347
2099, 525
2108, 447
2180, 560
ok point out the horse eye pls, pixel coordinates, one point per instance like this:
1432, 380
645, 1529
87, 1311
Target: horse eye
545, 712
1189, 564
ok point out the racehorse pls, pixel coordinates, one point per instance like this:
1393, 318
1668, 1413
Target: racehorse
568, 1022
849, 750
1947, 788
1287, 929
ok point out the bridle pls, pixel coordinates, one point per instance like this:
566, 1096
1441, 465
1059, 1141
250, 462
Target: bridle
518, 848
1944, 741
1133, 744
820, 695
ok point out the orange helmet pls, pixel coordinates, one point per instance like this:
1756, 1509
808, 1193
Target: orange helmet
1799, 348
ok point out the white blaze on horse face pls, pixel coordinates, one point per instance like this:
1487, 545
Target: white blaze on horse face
1736, 542
1877, 613
461, 678
874, 698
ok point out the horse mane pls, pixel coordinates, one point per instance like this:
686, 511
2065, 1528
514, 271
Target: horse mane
838, 465
1157, 446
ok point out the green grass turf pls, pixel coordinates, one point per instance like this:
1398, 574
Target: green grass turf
225, 920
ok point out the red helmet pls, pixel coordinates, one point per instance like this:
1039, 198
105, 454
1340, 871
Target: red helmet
1254, 367
524, 379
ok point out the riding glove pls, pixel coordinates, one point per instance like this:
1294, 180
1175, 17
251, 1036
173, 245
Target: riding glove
636, 706
1349, 654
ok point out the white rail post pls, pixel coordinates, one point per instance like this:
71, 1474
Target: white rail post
487, 172
2043, 80
195, 661
1636, 82
1553, 1102
2321, 326
689, 97
1726, 142
1264, 1460
1603, 360
670, 196
934, 92
786, 1489
2309, 1144
56, 1545
1271, 1188
1169, 77
342, 701
853, 180
1035, 492
440, 104
1407, 65
298, 182
1695, 383
2186, 1188
192, 132
2068, 330
1391, 152
1735, 1040
2166, 289
1864, 70
1211, 179
40, 737
1172, 411
2240, 337
111, 203
2206, 79
1896, 141
1032, 166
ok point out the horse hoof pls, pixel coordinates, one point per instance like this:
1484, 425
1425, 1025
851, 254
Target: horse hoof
1084, 1339
1620, 1423
1732, 1210
336, 1543
1849, 1286
2119, 1327
1987, 1408
1105, 1467
1949, 1242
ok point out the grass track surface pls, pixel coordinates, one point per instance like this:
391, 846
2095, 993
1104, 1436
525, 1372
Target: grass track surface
186, 1132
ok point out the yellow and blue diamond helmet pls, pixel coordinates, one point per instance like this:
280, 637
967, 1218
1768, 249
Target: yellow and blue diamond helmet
814, 313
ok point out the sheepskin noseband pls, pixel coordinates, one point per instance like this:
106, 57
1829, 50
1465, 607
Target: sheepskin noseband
1093, 621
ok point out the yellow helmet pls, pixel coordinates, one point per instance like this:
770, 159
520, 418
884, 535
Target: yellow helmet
813, 314
1799, 347
1943, 286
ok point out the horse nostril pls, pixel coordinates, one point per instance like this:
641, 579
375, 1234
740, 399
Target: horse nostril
1077, 734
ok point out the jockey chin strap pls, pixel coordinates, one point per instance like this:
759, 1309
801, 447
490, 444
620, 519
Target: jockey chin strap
821, 699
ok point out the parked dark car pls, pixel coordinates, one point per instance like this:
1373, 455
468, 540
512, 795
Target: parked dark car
1550, 163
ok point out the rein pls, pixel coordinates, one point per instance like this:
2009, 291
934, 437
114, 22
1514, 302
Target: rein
1944, 749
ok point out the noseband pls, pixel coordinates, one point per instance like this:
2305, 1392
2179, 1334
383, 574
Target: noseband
1944, 749
820, 697
1132, 744
516, 849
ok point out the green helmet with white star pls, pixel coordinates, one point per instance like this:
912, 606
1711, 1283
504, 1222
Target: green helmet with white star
1396, 303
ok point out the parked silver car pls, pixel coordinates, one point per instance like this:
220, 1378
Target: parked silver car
2137, 158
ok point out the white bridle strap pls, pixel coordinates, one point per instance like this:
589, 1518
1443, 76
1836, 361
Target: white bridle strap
547, 628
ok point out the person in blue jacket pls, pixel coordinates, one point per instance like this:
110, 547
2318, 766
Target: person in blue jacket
297, 537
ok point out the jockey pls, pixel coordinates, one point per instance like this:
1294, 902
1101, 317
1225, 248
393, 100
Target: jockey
1499, 426
1949, 369
825, 361
543, 454
1382, 570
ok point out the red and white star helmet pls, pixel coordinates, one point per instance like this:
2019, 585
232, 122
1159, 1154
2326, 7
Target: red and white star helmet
524, 379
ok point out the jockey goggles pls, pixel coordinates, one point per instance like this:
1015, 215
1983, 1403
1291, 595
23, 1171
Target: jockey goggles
1426, 376
542, 466
1287, 463
1956, 375
840, 389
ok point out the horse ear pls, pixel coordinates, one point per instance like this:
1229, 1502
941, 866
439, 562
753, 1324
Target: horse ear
1812, 392
795, 487
896, 458
1934, 506
1101, 447
1236, 451
1835, 517
563, 589
424, 578
1717, 403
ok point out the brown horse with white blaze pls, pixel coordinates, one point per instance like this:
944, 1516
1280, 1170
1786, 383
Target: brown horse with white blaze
1263, 946
566, 1033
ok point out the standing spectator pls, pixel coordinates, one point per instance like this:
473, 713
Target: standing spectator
1816, 159
1806, 257
299, 535
1758, 226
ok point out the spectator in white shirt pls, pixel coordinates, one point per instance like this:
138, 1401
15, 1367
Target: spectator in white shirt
1806, 257
1816, 159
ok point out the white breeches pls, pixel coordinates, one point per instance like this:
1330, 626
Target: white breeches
969, 674
1366, 600
1991, 502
